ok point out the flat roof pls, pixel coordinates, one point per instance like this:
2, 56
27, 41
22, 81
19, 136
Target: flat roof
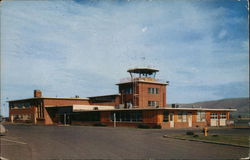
105, 95
143, 81
177, 109
148, 108
47, 98
143, 70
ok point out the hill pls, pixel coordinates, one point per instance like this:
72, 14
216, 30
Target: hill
241, 104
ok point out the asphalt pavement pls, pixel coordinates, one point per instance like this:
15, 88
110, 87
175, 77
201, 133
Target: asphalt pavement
26, 142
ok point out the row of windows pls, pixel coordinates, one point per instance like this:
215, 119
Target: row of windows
127, 91
131, 116
153, 103
215, 115
182, 117
153, 90
22, 117
150, 91
20, 105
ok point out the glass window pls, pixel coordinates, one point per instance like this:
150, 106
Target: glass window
213, 115
179, 119
153, 90
149, 103
223, 116
127, 116
157, 91
153, 103
201, 116
157, 103
184, 116
165, 116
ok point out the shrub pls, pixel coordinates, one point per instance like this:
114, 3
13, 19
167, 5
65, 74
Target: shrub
157, 127
215, 135
144, 126
189, 133
100, 124
195, 135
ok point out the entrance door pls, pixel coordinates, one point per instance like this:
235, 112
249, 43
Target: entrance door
214, 119
171, 120
223, 119
190, 119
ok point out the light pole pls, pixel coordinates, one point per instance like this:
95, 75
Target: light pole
65, 119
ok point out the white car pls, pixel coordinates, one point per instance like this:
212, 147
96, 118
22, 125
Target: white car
3, 131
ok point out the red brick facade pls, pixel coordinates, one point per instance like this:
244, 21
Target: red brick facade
140, 101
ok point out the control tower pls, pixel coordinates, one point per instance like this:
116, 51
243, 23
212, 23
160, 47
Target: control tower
143, 90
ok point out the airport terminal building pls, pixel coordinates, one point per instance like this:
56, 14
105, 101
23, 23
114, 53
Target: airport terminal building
141, 101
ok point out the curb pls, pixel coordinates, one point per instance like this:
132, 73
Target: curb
204, 141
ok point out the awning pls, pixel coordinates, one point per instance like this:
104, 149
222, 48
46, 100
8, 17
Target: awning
77, 108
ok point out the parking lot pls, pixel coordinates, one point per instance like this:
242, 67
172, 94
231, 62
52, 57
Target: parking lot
82, 142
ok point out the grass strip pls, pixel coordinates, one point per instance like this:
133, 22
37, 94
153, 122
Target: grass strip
236, 140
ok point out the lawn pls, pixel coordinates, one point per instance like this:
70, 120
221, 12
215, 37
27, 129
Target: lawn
226, 139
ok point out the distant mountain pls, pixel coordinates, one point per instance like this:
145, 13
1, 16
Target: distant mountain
241, 104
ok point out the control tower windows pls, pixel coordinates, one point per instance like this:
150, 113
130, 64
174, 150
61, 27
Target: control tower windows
153, 90
153, 103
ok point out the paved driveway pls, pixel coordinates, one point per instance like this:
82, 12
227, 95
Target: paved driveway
79, 142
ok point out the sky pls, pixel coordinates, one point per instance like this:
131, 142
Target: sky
73, 47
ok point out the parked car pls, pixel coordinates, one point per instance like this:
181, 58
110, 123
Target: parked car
3, 131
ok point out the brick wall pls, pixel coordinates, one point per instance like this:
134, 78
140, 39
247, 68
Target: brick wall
25, 111
65, 102
144, 96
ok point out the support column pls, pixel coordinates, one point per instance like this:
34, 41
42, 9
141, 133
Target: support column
11, 118
34, 115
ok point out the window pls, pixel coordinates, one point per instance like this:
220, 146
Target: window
149, 103
182, 117
157, 90
153, 90
153, 103
179, 117
223, 116
128, 91
127, 116
149, 90
201, 116
165, 116
213, 115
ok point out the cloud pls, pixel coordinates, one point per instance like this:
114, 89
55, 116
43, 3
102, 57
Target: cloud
85, 47
144, 29
222, 34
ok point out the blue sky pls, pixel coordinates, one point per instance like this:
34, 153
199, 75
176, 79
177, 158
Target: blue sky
68, 48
